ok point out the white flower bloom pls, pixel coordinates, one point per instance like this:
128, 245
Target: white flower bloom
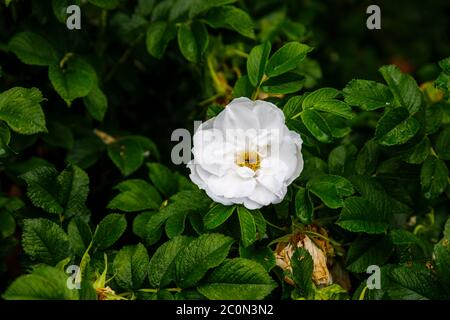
246, 155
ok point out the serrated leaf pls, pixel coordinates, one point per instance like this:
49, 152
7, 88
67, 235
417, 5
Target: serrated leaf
283, 84
20, 109
45, 241
331, 189
159, 34
203, 253
230, 17
192, 40
58, 135
364, 252
73, 189
163, 178
217, 215
396, 127
360, 215
109, 230
96, 103
317, 125
433, 177
293, 107
303, 206
130, 266
127, 154
443, 144
257, 61
80, 235
200, 6
418, 153
321, 94
161, 269
74, 80
42, 189
403, 87
368, 95
287, 58
247, 225
24, 45
442, 256
238, 279
335, 107
135, 195
367, 158
44, 283
302, 269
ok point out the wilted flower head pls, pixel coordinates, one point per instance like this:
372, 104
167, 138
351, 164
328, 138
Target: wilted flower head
284, 251
246, 155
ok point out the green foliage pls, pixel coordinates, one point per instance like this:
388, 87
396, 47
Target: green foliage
93, 185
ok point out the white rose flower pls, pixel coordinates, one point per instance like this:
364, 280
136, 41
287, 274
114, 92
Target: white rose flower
246, 155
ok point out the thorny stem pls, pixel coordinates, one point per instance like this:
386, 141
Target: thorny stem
275, 226
213, 75
211, 99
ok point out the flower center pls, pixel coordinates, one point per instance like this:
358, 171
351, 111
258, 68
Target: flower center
249, 159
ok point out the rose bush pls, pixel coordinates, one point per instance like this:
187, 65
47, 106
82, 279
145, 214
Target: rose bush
323, 154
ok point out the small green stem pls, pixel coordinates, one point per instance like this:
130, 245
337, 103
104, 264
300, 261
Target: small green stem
66, 58
274, 226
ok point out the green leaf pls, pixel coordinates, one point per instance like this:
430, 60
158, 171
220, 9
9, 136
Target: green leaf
24, 45
368, 95
7, 224
217, 216
109, 230
416, 281
80, 235
5, 138
159, 34
238, 279
130, 266
283, 84
442, 256
73, 80
364, 252
303, 206
127, 154
135, 195
367, 158
287, 58
247, 225
262, 255
403, 87
396, 127
331, 189
42, 189
302, 269
257, 61
140, 222
163, 178
203, 253
85, 152
45, 241
96, 103
73, 189
360, 215
418, 153
443, 144
293, 107
45, 283
105, 4
242, 88
322, 94
317, 125
161, 270
335, 107
230, 17
433, 177
200, 6
192, 40
20, 109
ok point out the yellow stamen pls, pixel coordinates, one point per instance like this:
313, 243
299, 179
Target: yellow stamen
249, 159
